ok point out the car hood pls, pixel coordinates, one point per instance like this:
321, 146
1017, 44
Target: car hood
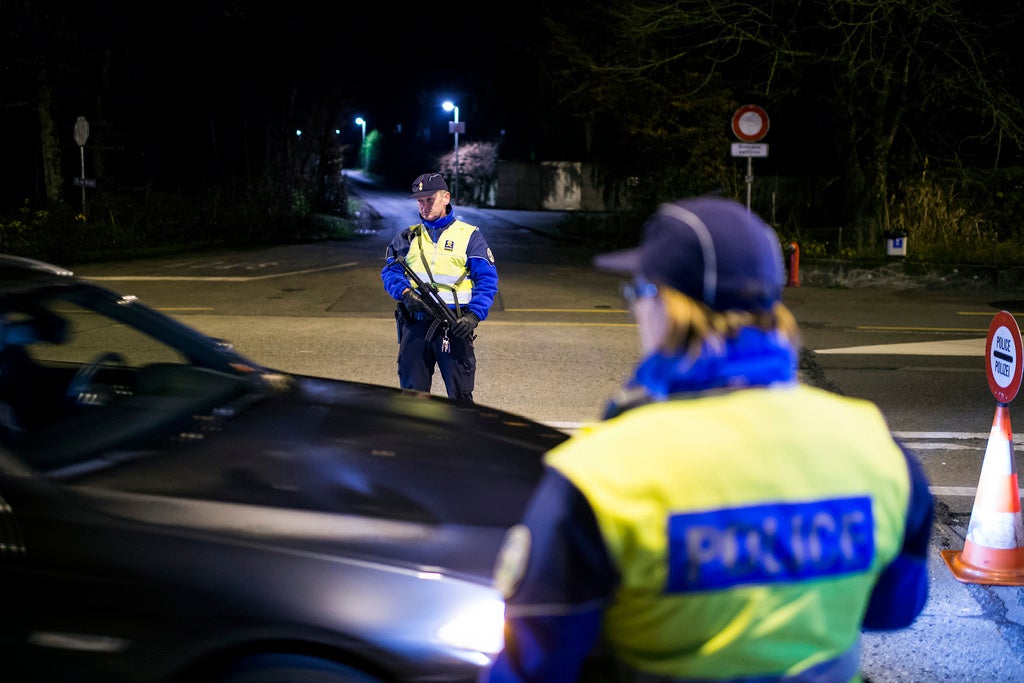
338, 467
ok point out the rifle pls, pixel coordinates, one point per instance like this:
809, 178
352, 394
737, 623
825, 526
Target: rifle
435, 304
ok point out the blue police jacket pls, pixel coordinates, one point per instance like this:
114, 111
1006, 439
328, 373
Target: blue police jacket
736, 534
479, 262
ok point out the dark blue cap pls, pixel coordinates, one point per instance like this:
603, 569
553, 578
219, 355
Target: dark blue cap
713, 250
427, 184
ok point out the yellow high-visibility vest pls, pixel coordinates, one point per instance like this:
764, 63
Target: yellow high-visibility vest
749, 528
445, 260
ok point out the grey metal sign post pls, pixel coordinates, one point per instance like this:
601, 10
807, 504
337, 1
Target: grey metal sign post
750, 124
81, 135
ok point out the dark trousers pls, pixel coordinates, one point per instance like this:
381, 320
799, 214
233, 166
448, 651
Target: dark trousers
417, 358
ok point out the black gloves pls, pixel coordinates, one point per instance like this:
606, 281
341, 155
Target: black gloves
465, 325
413, 303
462, 327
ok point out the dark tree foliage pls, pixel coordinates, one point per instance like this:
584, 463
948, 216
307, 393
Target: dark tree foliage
208, 95
860, 92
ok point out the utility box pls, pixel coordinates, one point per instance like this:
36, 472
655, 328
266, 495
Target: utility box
896, 246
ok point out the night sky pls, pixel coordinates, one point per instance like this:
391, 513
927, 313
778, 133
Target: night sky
161, 70
176, 92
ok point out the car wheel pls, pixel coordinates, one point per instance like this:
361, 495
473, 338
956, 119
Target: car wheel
295, 669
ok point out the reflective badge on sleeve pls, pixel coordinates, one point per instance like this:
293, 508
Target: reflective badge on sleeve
512, 559
769, 543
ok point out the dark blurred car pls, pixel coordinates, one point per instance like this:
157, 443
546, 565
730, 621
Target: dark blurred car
172, 511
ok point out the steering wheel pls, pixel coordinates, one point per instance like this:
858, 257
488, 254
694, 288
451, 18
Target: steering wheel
80, 390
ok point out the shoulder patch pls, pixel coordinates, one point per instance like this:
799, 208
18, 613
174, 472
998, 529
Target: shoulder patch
512, 560
490, 256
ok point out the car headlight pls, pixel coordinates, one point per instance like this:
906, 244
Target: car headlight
478, 628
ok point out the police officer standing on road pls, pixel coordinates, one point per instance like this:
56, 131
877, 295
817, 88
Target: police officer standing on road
725, 522
452, 258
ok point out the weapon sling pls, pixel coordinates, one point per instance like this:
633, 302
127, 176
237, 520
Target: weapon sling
435, 304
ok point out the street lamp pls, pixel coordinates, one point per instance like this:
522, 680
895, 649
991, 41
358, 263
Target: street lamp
453, 127
360, 121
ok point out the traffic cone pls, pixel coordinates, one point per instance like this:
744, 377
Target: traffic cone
994, 548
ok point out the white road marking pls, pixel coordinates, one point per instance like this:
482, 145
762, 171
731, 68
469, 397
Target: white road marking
955, 347
909, 438
219, 278
958, 347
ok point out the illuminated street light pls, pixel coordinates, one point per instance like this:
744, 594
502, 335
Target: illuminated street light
453, 127
360, 121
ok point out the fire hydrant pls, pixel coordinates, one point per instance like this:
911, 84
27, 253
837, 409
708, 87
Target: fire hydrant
793, 264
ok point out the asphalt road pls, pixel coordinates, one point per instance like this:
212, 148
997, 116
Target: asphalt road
559, 341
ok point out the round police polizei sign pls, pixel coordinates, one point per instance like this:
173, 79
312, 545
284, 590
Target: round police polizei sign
1002, 351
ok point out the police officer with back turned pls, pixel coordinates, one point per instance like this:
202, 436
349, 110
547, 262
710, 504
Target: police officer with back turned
725, 522
455, 265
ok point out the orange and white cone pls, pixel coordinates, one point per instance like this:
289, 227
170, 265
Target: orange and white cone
994, 548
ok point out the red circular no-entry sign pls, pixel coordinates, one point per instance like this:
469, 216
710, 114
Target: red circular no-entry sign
1002, 351
750, 123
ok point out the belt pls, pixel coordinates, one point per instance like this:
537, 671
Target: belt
843, 667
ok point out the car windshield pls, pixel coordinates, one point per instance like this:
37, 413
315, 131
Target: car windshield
83, 371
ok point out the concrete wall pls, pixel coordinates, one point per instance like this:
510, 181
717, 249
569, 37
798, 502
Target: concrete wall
548, 186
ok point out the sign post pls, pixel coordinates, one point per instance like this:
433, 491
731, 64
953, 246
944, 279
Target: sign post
750, 124
81, 135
